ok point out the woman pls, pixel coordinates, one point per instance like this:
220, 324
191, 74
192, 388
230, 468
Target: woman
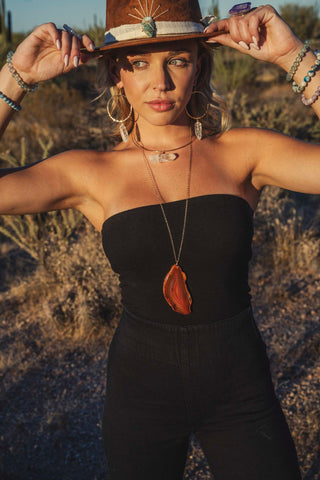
187, 355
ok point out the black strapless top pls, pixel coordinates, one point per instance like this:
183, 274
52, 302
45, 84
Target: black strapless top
215, 256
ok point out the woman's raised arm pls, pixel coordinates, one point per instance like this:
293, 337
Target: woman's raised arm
46, 53
61, 181
277, 159
264, 35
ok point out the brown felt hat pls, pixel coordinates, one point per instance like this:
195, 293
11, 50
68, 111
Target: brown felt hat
143, 22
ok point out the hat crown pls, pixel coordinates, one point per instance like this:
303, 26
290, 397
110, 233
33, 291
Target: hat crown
126, 12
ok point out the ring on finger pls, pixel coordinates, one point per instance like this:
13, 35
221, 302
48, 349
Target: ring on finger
240, 9
72, 31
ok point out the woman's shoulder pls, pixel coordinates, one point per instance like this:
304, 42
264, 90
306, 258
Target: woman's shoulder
83, 155
82, 158
247, 136
247, 143
97, 167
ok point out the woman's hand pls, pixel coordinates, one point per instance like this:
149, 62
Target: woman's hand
48, 52
261, 33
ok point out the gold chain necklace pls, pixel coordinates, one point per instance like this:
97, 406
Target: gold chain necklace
160, 156
174, 288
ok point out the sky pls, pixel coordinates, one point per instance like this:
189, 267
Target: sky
26, 14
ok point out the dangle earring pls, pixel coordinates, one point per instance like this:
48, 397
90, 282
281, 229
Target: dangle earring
123, 130
198, 124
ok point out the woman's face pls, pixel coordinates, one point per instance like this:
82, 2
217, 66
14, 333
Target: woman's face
158, 81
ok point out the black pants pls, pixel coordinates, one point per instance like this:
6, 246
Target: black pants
166, 381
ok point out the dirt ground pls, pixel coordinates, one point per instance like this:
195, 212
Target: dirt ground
52, 394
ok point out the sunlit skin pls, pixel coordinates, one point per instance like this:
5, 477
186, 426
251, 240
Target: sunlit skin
158, 82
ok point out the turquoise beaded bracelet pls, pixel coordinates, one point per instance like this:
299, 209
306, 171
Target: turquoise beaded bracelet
297, 61
10, 102
16, 76
300, 88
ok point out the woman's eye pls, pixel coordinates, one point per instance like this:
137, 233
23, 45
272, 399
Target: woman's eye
139, 64
179, 62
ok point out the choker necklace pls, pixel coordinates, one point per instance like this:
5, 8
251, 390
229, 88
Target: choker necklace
175, 290
160, 156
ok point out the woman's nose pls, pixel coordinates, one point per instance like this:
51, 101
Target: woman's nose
161, 79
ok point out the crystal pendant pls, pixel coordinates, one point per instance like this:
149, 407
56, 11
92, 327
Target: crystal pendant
162, 157
198, 130
124, 132
176, 292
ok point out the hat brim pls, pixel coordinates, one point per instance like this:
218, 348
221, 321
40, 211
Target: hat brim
154, 40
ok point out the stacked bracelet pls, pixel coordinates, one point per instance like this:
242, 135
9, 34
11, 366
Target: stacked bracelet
16, 76
297, 61
10, 102
311, 73
311, 100
300, 88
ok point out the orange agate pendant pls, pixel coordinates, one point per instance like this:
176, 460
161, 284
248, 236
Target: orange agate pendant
176, 292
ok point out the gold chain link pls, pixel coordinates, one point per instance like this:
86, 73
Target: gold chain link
162, 201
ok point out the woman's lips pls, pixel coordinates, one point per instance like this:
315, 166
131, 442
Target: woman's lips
161, 105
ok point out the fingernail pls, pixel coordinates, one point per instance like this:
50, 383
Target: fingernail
58, 43
253, 45
244, 45
91, 46
206, 30
255, 41
76, 62
66, 60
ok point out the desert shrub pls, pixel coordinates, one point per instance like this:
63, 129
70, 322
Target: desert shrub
56, 118
302, 19
61, 112
30, 232
293, 246
74, 295
50, 115
286, 240
276, 113
96, 32
70, 280
5, 47
233, 70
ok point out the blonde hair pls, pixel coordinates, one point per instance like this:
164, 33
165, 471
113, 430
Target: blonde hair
217, 118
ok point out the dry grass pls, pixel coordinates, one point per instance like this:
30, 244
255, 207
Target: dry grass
287, 232
75, 289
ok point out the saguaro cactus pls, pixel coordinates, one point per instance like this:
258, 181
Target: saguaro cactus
5, 31
3, 23
9, 28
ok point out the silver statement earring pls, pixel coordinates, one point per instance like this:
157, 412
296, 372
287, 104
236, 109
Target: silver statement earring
198, 124
122, 128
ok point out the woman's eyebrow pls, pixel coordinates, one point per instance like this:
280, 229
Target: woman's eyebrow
147, 54
178, 52
137, 53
